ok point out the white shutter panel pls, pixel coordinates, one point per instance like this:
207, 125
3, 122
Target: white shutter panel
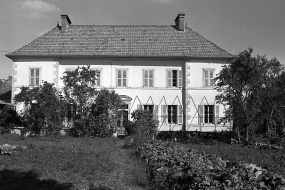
180, 83
201, 114
163, 112
180, 115
140, 107
217, 113
169, 78
155, 111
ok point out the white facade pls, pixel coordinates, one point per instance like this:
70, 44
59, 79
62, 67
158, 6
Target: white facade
167, 102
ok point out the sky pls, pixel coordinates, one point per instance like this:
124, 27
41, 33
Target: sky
234, 25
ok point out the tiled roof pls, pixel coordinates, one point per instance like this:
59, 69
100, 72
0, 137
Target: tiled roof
122, 41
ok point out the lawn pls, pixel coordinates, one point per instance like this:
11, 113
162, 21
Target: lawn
65, 163
272, 160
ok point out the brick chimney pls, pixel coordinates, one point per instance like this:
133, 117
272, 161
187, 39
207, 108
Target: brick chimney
179, 21
65, 22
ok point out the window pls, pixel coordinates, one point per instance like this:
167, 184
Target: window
122, 77
208, 114
148, 76
174, 78
208, 76
172, 114
98, 78
34, 77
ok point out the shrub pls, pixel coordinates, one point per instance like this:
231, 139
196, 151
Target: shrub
130, 127
173, 167
145, 125
9, 119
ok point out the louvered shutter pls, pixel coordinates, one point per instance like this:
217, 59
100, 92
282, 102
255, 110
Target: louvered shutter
180, 115
37, 77
151, 78
140, 107
203, 78
180, 83
98, 81
155, 111
201, 114
163, 111
169, 78
217, 113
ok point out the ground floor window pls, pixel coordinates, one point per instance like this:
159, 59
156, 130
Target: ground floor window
172, 114
209, 114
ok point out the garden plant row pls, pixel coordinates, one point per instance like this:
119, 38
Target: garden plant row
170, 166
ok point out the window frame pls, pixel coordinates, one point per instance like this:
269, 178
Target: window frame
179, 78
148, 78
165, 114
35, 77
117, 79
208, 79
215, 116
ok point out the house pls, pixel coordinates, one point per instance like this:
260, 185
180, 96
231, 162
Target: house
167, 69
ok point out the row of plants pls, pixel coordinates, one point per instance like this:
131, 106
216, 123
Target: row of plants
170, 166
7, 149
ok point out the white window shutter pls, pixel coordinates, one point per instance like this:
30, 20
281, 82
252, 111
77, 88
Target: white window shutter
201, 114
217, 113
180, 114
203, 78
169, 78
180, 79
164, 114
140, 107
155, 111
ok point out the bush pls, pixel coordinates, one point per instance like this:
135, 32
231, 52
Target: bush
170, 166
9, 119
130, 127
146, 125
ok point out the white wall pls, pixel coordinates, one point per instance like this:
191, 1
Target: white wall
52, 71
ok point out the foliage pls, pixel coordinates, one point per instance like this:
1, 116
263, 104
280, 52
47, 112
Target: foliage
146, 124
45, 108
5, 85
130, 127
103, 116
79, 90
251, 87
7, 149
9, 118
174, 167
96, 111
106, 112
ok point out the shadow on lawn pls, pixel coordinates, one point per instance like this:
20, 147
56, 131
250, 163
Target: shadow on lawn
17, 180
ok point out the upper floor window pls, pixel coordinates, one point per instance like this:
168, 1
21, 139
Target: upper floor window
148, 78
174, 78
34, 76
122, 77
208, 77
98, 78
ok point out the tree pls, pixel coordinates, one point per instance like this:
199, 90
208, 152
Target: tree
245, 87
45, 108
80, 91
9, 118
96, 111
146, 124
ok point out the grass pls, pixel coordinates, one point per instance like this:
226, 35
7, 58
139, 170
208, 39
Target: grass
65, 163
272, 160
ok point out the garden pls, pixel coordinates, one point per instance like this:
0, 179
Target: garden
88, 157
